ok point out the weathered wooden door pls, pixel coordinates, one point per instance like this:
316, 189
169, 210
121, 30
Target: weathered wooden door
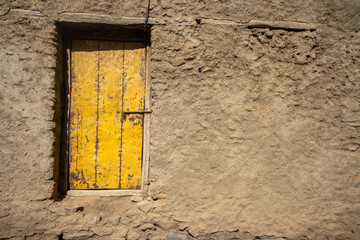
105, 145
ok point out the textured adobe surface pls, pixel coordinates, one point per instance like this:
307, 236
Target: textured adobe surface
263, 143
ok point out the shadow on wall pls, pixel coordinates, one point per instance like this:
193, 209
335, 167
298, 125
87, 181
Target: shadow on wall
60, 119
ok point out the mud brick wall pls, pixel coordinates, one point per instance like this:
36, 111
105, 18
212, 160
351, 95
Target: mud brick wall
262, 143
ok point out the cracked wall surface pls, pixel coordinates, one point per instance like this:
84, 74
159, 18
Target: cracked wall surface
262, 143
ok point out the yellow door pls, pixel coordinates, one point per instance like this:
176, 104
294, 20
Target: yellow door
107, 78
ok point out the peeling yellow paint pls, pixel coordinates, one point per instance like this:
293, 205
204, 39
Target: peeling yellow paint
134, 90
107, 78
83, 114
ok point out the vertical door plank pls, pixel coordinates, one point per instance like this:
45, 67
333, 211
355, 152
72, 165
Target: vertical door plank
110, 109
133, 100
83, 115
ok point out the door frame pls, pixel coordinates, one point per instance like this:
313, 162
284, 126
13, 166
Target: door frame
105, 33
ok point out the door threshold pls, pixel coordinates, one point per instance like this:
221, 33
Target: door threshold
105, 193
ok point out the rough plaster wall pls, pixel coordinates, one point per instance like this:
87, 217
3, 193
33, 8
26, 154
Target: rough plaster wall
263, 134
263, 142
